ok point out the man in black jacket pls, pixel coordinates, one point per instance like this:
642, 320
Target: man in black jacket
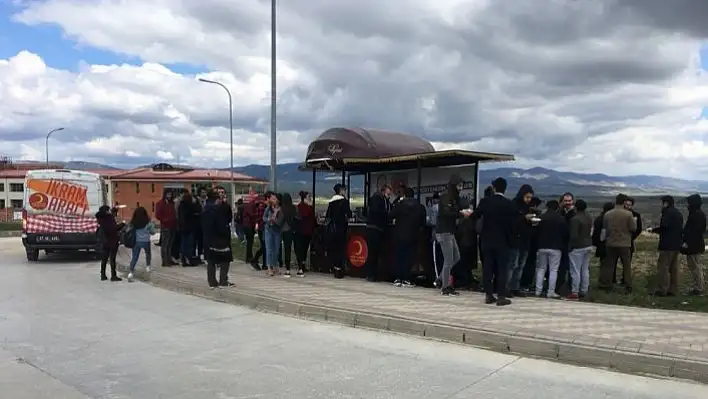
498, 214
409, 218
552, 240
694, 245
377, 219
450, 212
521, 238
670, 232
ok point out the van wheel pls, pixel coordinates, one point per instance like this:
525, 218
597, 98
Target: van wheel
32, 255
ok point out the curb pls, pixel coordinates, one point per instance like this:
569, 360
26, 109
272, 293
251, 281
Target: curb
582, 351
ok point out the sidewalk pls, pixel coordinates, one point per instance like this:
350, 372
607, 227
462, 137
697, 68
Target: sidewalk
632, 340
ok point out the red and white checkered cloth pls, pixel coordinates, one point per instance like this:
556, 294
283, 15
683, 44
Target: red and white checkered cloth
61, 224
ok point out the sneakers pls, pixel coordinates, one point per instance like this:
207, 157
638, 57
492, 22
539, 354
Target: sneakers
116, 278
148, 269
449, 291
573, 297
397, 283
503, 302
130, 277
286, 274
406, 283
301, 273
552, 295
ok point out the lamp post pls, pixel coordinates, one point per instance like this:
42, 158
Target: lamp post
231, 132
46, 144
273, 94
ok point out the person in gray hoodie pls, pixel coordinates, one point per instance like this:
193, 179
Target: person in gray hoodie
580, 249
448, 215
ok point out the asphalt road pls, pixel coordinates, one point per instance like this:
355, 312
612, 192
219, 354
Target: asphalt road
67, 335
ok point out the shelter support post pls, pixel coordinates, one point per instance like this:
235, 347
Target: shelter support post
367, 191
476, 183
344, 177
314, 186
420, 178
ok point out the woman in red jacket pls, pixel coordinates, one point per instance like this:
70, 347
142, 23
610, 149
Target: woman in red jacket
305, 229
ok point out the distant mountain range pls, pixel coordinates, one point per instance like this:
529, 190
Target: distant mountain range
546, 182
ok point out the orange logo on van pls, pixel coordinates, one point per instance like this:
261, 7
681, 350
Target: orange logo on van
58, 196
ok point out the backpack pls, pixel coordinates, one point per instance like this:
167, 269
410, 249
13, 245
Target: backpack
128, 237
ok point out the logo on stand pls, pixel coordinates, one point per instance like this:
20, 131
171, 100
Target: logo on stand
334, 149
357, 251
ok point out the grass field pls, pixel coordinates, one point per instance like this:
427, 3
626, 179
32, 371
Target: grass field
644, 272
10, 226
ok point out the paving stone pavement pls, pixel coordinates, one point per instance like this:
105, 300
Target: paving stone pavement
660, 333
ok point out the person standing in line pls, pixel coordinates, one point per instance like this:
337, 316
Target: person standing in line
694, 244
552, 239
303, 235
409, 219
166, 214
290, 225
521, 239
580, 248
462, 272
273, 220
629, 205
598, 236
216, 228
498, 214
567, 203
478, 222
377, 220
238, 222
529, 273
176, 249
199, 203
109, 236
144, 229
337, 223
260, 208
188, 218
619, 225
670, 232
449, 213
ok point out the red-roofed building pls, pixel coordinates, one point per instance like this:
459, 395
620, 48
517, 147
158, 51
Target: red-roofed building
132, 188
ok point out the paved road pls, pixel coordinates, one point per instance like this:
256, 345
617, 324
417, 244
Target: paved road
82, 338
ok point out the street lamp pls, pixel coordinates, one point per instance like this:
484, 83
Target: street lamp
231, 132
46, 145
273, 94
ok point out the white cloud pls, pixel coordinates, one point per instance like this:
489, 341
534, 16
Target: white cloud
583, 86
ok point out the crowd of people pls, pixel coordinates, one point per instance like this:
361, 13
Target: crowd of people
523, 249
529, 251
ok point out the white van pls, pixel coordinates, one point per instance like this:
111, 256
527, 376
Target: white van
59, 210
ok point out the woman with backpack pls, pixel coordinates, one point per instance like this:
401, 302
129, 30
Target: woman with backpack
290, 225
142, 229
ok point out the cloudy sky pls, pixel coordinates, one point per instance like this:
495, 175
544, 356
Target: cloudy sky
612, 86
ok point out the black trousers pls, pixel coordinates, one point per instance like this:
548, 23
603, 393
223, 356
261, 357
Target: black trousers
261, 251
108, 254
374, 241
496, 265
250, 234
199, 244
462, 271
335, 249
286, 249
223, 273
563, 282
176, 242
302, 247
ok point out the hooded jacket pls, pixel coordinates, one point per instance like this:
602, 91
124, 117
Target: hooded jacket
166, 213
339, 212
693, 240
449, 208
522, 229
110, 230
670, 228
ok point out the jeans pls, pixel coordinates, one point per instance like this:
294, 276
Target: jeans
451, 255
240, 231
404, 260
167, 237
272, 247
547, 260
144, 246
517, 261
580, 270
186, 247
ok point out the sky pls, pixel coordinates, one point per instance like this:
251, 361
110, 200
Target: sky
608, 86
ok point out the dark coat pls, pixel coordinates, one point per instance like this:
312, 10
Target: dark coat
188, 213
499, 214
522, 228
378, 212
600, 250
552, 231
640, 228
109, 229
216, 232
449, 208
695, 227
670, 229
409, 216
339, 212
